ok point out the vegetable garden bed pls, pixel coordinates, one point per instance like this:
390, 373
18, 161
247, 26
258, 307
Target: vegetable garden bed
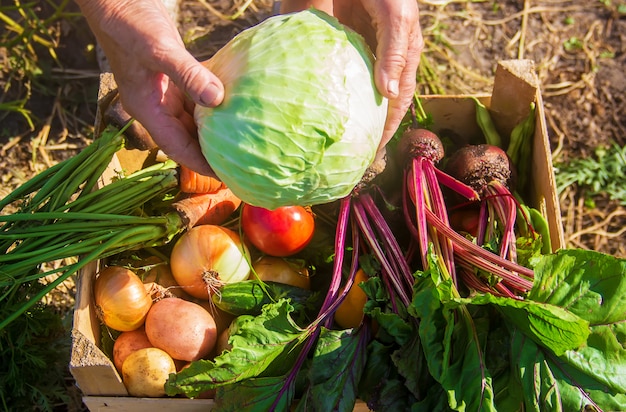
515, 88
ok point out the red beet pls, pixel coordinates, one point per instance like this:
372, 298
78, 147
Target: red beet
477, 165
419, 143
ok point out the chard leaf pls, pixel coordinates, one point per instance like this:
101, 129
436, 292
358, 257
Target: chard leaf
410, 362
255, 394
591, 285
451, 344
551, 384
381, 387
378, 308
336, 368
548, 325
264, 345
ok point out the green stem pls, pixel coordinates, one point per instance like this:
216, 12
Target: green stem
485, 122
84, 172
126, 196
136, 234
72, 164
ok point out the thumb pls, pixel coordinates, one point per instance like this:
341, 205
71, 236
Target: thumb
392, 48
194, 79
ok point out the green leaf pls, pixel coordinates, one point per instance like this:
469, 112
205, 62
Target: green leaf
264, 345
591, 285
255, 394
550, 326
549, 384
394, 326
381, 387
451, 344
410, 362
336, 368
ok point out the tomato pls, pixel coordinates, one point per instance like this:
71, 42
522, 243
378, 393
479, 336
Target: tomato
349, 314
276, 269
279, 232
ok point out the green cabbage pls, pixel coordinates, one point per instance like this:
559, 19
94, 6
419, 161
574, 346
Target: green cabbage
301, 118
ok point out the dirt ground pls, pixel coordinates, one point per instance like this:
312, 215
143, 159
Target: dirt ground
578, 48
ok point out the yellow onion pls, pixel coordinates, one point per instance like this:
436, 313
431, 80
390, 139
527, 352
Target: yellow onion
121, 299
206, 257
275, 269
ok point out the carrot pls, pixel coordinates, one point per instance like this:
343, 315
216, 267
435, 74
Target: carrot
193, 182
207, 208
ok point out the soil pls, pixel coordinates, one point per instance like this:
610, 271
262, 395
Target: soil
578, 48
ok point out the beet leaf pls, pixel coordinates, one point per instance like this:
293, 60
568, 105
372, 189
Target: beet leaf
336, 368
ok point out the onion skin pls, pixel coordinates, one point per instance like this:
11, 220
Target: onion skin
121, 299
276, 269
183, 329
145, 372
161, 275
207, 256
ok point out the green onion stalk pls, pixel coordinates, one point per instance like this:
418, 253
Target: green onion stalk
63, 214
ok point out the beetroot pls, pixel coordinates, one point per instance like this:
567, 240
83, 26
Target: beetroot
478, 165
419, 143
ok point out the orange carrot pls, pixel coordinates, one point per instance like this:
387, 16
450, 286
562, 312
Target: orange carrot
207, 208
192, 182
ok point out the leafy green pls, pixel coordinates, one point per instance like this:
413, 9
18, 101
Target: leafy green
550, 326
382, 387
592, 286
263, 346
335, 372
255, 394
452, 344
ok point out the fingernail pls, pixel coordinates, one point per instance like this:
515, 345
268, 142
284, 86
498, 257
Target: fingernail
209, 95
393, 88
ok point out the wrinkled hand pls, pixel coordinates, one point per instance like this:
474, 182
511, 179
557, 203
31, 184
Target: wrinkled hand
158, 80
392, 29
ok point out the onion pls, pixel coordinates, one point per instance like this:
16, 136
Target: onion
274, 269
206, 257
183, 329
121, 299
161, 275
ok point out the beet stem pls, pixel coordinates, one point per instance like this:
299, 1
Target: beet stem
387, 267
483, 258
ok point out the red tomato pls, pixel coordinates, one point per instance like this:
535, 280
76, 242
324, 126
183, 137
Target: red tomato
280, 232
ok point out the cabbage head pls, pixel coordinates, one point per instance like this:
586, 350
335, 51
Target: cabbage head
301, 119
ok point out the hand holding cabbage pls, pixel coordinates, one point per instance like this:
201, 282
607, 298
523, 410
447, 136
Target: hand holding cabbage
156, 76
299, 125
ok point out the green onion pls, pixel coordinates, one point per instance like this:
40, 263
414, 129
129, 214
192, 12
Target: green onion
62, 214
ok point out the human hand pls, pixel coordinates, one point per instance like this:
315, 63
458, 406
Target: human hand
158, 80
392, 29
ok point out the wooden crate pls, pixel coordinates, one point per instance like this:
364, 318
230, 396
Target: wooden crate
515, 87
